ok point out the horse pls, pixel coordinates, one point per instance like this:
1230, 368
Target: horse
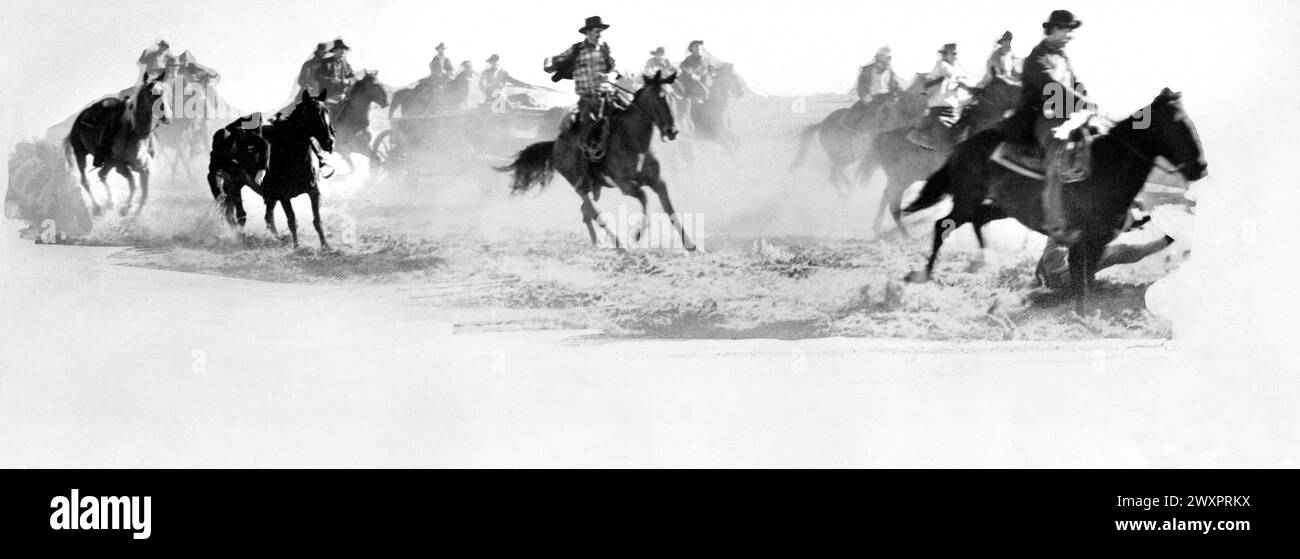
290, 171
845, 144
132, 147
712, 115
905, 163
1095, 208
351, 118
627, 165
428, 96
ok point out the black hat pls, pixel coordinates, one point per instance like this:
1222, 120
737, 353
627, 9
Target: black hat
493, 58
950, 47
441, 46
1062, 18
163, 44
322, 47
1006, 37
339, 44
658, 52
593, 22
695, 42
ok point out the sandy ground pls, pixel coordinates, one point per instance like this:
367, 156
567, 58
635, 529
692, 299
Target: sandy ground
455, 325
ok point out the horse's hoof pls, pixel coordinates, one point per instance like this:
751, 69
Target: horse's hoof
125, 211
917, 277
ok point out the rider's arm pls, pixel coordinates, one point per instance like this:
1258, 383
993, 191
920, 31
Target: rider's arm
558, 60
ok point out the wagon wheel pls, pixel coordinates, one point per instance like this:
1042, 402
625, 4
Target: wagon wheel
390, 147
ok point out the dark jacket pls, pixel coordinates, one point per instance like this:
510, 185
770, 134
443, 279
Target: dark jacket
1045, 67
864, 80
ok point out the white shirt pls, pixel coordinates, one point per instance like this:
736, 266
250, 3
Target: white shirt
947, 93
880, 82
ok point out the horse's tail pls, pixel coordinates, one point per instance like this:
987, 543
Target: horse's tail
936, 187
532, 167
805, 139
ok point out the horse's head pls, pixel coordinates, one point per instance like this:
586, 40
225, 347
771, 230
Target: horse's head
370, 90
151, 104
652, 99
313, 118
1176, 135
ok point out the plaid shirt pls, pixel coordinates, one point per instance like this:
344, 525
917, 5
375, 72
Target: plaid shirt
590, 64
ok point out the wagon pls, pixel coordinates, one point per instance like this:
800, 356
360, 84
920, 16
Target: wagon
451, 142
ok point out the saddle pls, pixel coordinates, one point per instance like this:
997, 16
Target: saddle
1072, 160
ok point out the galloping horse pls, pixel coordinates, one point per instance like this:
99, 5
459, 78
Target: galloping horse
905, 163
712, 116
240, 154
427, 97
1095, 208
351, 118
132, 146
845, 144
628, 163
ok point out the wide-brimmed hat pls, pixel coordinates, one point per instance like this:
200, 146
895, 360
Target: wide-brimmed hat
593, 22
340, 45
441, 46
163, 44
658, 52
695, 42
883, 52
1062, 18
949, 48
1006, 37
322, 47
493, 58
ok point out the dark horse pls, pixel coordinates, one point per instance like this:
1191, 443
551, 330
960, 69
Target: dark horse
905, 163
845, 144
628, 163
352, 118
275, 160
1095, 208
712, 115
428, 96
132, 147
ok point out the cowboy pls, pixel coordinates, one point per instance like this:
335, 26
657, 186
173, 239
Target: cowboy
589, 64
945, 84
495, 79
310, 68
1002, 63
155, 58
441, 69
659, 62
877, 84
335, 74
698, 69
1050, 88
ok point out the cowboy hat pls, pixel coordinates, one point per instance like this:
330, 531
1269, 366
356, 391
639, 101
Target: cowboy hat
593, 22
658, 52
695, 42
441, 46
340, 45
322, 47
1006, 37
949, 48
493, 58
1063, 19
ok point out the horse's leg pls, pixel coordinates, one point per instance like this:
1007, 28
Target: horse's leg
661, 189
1079, 274
85, 184
270, 215
591, 214
235, 201
941, 229
291, 218
981, 219
144, 187
108, 192
639, 193
130, 181
315, 217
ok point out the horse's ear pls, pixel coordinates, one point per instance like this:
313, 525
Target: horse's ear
321, 97
1170, 95
306, 96
671, 78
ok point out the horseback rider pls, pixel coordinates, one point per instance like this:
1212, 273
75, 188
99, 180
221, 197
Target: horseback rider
335, 74
698, 68
659, 62
155, 58
945, 84
877, 84
441, 70
1002, 64
589, 64
495, 79
1051, 89
307, 74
